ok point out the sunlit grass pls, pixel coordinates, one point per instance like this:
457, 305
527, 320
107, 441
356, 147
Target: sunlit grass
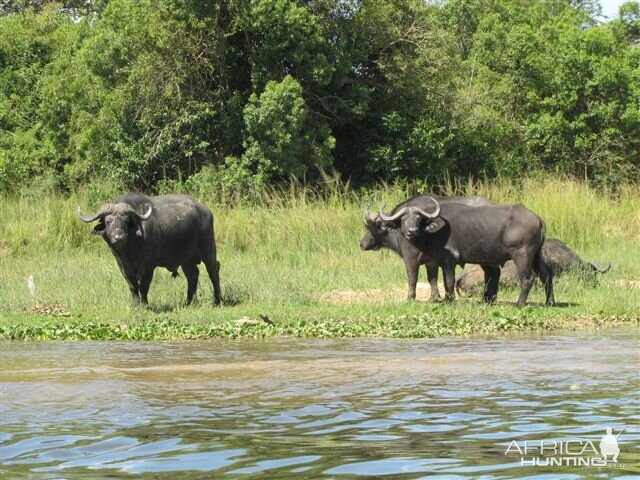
284, 248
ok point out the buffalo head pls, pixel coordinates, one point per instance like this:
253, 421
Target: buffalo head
116, 221
377, 230
414, 220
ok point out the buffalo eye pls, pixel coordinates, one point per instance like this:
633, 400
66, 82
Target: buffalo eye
99, 229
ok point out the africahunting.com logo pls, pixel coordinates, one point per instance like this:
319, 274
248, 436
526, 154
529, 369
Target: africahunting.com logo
574, 453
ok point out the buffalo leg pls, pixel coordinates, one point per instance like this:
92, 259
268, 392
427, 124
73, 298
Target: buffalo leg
412, 268
135, 290
432, 277
132, 282
213, 266
545, 274
491, 283
449, 271
145, 283
526, 276
191, 272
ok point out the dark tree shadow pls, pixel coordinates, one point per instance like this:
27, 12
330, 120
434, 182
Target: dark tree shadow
477, 300
164, 307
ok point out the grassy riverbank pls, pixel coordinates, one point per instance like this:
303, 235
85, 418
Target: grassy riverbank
293, 257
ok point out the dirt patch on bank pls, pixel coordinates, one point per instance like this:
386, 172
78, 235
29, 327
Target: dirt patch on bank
632, 284
52, 310
375, 296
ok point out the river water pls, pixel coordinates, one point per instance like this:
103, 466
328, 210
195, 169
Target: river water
292, 408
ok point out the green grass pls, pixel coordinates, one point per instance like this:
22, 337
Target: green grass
282, 255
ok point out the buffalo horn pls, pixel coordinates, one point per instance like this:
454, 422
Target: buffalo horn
391, 218
427, 214
104, 210
369, 217
145, 216
598, 269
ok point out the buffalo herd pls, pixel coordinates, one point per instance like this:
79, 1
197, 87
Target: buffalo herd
496, 242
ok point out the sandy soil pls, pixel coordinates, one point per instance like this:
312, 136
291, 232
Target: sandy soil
628, 283
377, 295
374, 296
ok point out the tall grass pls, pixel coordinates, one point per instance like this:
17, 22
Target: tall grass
299, 220
282, 249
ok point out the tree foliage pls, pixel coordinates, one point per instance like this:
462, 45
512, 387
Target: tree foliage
140, 94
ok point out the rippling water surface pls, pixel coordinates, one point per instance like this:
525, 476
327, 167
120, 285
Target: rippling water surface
292, 408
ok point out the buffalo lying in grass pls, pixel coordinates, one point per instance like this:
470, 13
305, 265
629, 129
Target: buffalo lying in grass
557, 255
168, 231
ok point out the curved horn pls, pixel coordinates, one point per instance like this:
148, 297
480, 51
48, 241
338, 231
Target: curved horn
369, 217
104, 210
427, 214
598, 269
145, 216
391, 218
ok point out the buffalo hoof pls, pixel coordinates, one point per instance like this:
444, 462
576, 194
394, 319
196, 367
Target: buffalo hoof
490, 299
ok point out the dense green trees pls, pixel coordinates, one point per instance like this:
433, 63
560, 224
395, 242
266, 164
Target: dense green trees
140, 94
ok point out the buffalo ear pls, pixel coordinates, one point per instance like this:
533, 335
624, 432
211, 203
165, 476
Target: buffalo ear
139, 231
435, 225
386, 226
99, 229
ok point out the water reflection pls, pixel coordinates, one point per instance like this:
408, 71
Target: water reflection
314, 409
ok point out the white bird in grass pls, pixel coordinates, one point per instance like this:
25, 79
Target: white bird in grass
31, 283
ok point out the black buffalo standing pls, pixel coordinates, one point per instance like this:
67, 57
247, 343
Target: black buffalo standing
167, 231
381, 234
453, 234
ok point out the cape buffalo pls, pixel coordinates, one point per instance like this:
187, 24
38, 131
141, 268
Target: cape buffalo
381, 234
557, 255
453, 234
167, 231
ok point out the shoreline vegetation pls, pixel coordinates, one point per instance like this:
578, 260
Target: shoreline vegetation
291, 266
